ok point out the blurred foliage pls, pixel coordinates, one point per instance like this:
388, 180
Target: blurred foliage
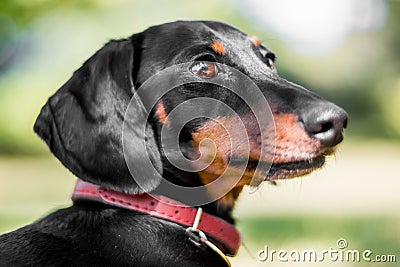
23, 12
42, 42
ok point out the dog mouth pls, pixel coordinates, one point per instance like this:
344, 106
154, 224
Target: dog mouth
284, 170
292, 169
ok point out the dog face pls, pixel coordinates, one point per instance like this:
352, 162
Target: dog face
82, 122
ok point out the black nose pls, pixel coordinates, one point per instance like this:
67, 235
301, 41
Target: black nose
325, 122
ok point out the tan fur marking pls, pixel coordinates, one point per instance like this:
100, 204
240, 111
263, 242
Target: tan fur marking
218, 48
292, 144
255, 41
161, 114
292, 141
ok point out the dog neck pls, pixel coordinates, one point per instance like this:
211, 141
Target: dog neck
221, 207
225, 234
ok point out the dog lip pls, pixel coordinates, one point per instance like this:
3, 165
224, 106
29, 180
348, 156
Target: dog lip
300, 166
289, 170
297, 166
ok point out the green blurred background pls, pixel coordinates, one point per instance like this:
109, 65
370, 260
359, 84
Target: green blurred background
346, 50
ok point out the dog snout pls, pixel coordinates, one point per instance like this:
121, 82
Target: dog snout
325, 122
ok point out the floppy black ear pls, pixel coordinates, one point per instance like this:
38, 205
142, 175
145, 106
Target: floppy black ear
82, 122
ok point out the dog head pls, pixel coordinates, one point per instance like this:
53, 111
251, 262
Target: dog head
82, 122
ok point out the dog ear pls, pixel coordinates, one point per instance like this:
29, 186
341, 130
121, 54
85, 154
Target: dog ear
82, 122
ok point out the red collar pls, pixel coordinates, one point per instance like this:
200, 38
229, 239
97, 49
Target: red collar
224, 233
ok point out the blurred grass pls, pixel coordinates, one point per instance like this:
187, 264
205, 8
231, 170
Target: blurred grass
376, 233
30, 187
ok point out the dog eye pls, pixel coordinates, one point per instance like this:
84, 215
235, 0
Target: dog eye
269, 57
204, 69
270, 64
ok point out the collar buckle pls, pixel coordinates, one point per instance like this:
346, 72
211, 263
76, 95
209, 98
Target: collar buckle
196, 237
199, 238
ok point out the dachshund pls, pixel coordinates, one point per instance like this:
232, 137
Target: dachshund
114, 219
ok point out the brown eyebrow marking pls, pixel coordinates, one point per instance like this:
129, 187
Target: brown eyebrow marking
218, 47
255, 41
161, 114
